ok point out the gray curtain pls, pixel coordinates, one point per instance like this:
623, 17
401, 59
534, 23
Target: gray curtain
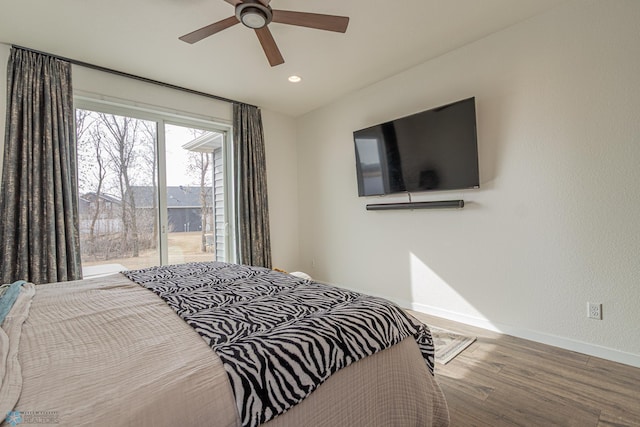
39, 239
252, 240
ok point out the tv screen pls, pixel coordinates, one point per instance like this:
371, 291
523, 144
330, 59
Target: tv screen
433, 150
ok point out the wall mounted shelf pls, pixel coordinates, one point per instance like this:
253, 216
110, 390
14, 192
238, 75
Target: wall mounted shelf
441, 204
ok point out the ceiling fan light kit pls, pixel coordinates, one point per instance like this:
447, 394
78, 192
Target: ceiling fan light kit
253, 14
257, 15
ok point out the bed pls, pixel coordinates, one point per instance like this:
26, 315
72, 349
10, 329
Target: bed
133, 350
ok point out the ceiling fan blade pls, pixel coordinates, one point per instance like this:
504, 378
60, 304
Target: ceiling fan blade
312, 20
269, 46
209, 30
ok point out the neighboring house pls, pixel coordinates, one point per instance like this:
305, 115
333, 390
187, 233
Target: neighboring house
101, 223
184, 213
184, 209
108, 219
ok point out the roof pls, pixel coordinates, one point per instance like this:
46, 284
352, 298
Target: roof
177, 197
89, 197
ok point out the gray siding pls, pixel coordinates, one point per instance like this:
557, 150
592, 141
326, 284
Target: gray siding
218, 204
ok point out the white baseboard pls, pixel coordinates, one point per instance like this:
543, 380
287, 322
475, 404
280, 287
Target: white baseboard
556, 341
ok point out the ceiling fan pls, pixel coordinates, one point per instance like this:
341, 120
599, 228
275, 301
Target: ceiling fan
257, 14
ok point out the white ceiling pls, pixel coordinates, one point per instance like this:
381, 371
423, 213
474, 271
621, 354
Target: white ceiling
141, 37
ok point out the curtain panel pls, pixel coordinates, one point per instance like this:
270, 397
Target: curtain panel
253, 243
39, 239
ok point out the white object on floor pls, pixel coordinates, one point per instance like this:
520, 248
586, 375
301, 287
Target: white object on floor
301, 275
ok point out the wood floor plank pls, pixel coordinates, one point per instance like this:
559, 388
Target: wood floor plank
470, 360
466, 410
519, 406
474, 386
611, 419
582, 387
622, 374
563, 391
506, 381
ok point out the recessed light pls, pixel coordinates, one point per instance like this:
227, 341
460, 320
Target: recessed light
295, 79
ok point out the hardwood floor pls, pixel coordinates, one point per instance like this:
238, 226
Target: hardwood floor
505, 381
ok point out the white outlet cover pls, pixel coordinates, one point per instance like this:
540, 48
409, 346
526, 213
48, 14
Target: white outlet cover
594, 311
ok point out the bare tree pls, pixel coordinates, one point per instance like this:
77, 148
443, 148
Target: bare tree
93, 173
84, 122
149, 130
122, 153
100, 174
116, 153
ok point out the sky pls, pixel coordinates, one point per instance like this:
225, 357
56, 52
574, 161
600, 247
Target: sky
177, 157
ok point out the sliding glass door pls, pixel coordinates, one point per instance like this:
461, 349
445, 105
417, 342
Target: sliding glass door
195, 193
152, 189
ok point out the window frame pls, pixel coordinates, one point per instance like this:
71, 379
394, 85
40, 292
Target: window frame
163, 116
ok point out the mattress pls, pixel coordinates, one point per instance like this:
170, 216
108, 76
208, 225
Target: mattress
107, 351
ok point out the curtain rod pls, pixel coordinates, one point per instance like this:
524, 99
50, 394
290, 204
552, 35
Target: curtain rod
133, 76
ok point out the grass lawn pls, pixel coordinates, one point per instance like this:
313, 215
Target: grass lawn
183, 247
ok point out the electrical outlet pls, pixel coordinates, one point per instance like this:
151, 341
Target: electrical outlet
594, 311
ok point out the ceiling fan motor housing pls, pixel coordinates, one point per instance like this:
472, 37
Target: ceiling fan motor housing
253, 14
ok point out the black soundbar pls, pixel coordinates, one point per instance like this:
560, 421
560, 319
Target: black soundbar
441, 204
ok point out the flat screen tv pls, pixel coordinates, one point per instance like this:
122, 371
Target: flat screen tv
433, 150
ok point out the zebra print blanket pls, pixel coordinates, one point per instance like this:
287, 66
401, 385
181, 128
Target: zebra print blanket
278, 336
